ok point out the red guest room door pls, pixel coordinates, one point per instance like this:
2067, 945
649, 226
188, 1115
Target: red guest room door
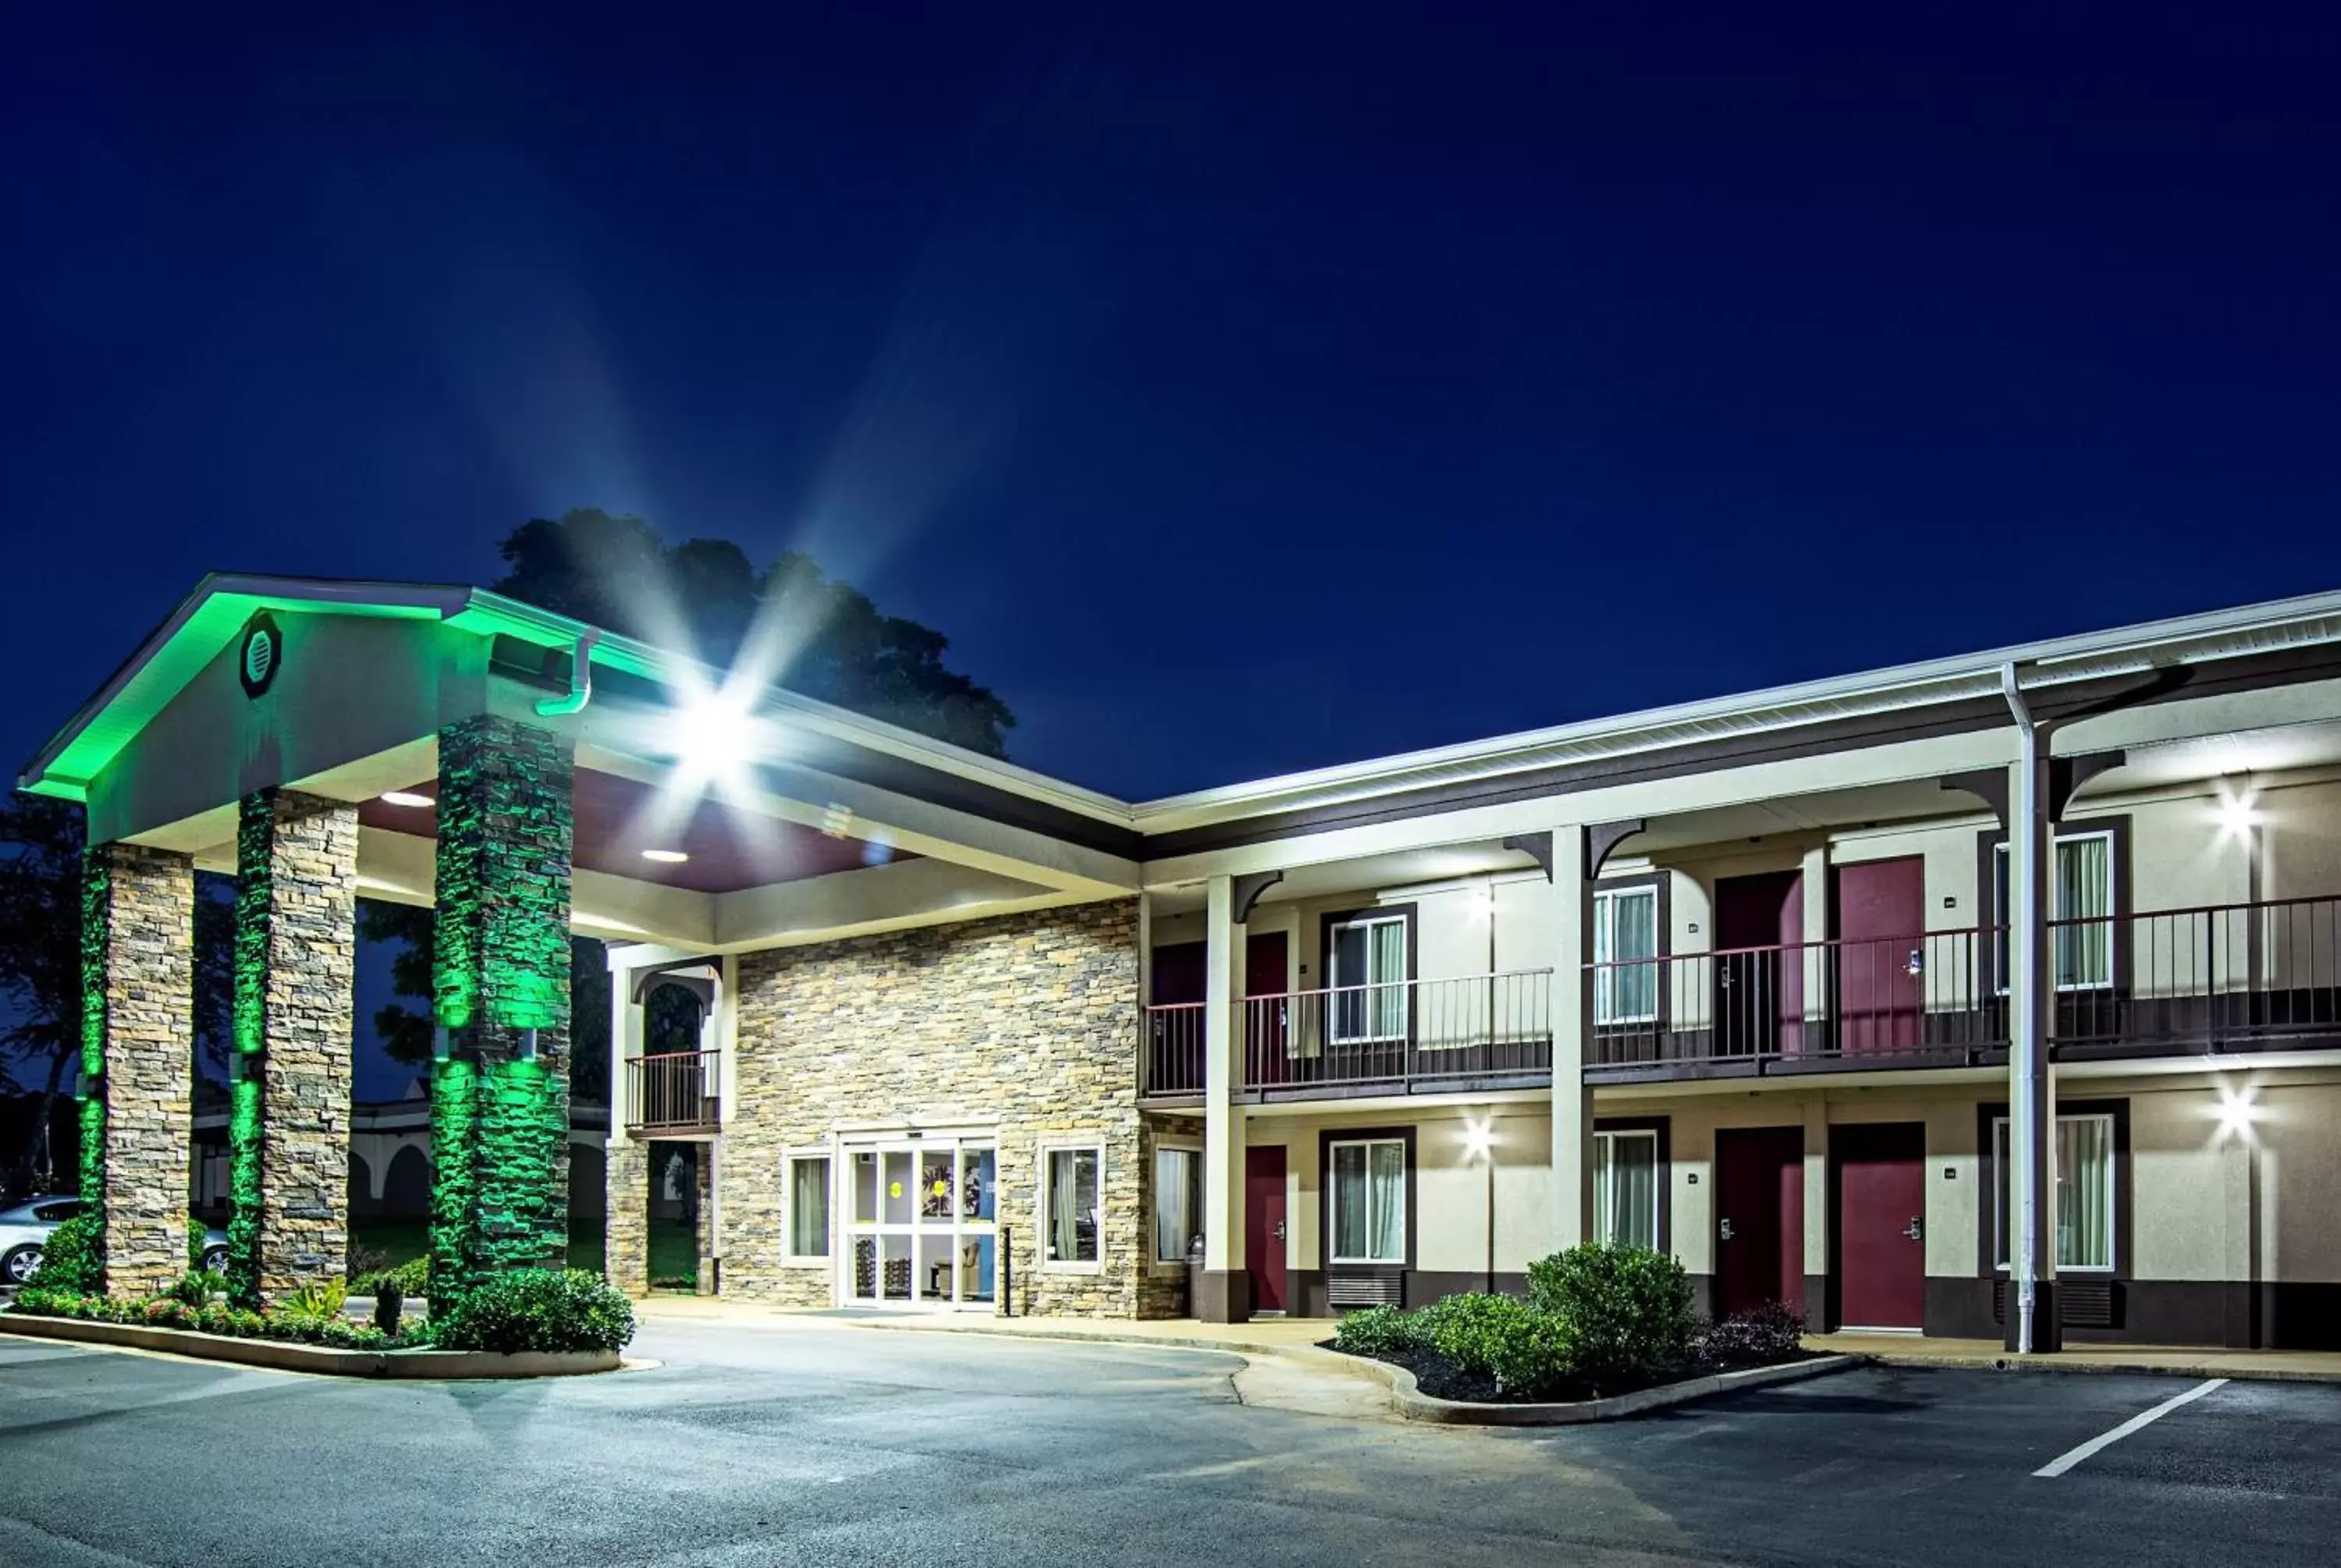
1264, 1226
1759, 1218
1881, 1206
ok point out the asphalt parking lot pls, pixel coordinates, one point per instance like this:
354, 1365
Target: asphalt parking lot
828, 1443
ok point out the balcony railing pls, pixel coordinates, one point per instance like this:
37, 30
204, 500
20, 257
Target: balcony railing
673, 1092
1914, 999
2212, 978
2217, 978
1408, 1036
1171, 1062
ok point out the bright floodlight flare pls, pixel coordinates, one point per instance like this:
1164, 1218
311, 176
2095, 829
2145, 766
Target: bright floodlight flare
2238, 812
2236, 1112
1478, 1137
712, 739
405, 798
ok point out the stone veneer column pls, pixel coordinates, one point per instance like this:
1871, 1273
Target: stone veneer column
138, 932
626, 1241
289, 1122
500, 1084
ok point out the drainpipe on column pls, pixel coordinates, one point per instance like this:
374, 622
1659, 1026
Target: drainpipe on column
2024, 991
581, 679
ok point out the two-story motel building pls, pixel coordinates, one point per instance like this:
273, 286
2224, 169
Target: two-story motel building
1745, 979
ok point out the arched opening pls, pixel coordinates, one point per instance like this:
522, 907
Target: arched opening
362, 1201
406, 1185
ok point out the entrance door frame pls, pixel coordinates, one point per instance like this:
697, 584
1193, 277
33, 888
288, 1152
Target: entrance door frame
955, 1232
1782, 1135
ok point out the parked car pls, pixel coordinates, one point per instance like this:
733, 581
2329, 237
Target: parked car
25, 1230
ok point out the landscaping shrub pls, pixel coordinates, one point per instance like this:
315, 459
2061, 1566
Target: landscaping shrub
71, 1258
1381, 1331
1629, 1308
1530, 1354
412, 1277
165, 1312
388, 1301
546, 1309
1759, 1336
194, 1287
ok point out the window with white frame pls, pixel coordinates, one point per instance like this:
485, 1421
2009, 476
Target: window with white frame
1178, 1202
1625, 930
1626, 1187
1073, 1191
1367, 966
808, 1179
2081, 891
2084, 1178
1369, 1187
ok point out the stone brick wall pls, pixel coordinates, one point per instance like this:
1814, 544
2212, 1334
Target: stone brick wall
1162, 1293
500, 970
1027, 1023
626, 1237
147, 1123
311, 848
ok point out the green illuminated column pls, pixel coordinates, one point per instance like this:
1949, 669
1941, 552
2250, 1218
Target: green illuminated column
288, 1122
137, 952
500, 1086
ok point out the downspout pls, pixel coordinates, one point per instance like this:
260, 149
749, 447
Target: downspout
2023, 917
581, 679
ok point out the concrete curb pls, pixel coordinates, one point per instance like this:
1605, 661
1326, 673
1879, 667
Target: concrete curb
280, 1355
1076, 1336
1408, 1401
2198, 1370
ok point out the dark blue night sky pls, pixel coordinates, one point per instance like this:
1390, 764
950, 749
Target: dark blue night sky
1238, 397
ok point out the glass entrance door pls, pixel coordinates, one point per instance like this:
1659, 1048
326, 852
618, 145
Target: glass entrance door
921, 1228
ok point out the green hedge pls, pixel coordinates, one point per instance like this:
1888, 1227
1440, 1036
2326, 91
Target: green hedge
300, 1323
537, 1309
1630, 1307
71, 1259
1597, 1318
412, 1277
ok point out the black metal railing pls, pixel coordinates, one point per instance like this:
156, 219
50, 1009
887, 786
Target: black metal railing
1170, 1060
1406, 1035
1907, 998
2213, 978
675, 1091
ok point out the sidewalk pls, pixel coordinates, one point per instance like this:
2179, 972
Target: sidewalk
2175, 1361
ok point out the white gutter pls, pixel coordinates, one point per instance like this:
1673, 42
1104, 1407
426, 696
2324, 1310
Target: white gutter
2026, 1066
581, 679
2298, 623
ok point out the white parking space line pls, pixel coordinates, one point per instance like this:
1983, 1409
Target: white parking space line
2066, 1461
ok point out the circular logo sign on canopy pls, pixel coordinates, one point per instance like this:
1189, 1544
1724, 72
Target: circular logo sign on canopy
262, 653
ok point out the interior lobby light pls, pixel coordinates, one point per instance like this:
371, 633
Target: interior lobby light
665, 857
405, 798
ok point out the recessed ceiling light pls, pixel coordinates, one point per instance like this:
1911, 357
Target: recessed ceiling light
405, 798
665, 857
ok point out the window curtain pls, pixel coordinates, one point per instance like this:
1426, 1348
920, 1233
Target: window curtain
1072, 1206
1389, 975
2085, 1191
2084, 891
1350, 1204
1625, 929
1625, 1189
1387, 1180
1174, 1204
809, 1208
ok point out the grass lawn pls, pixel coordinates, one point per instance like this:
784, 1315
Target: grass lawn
675, 1254
394, 1241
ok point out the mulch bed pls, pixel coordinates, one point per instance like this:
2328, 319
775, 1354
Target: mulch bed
1440, 1378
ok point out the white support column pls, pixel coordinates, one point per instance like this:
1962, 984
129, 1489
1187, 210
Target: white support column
1572, 1033
1814, 966
2032, 1316
1224, 1295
